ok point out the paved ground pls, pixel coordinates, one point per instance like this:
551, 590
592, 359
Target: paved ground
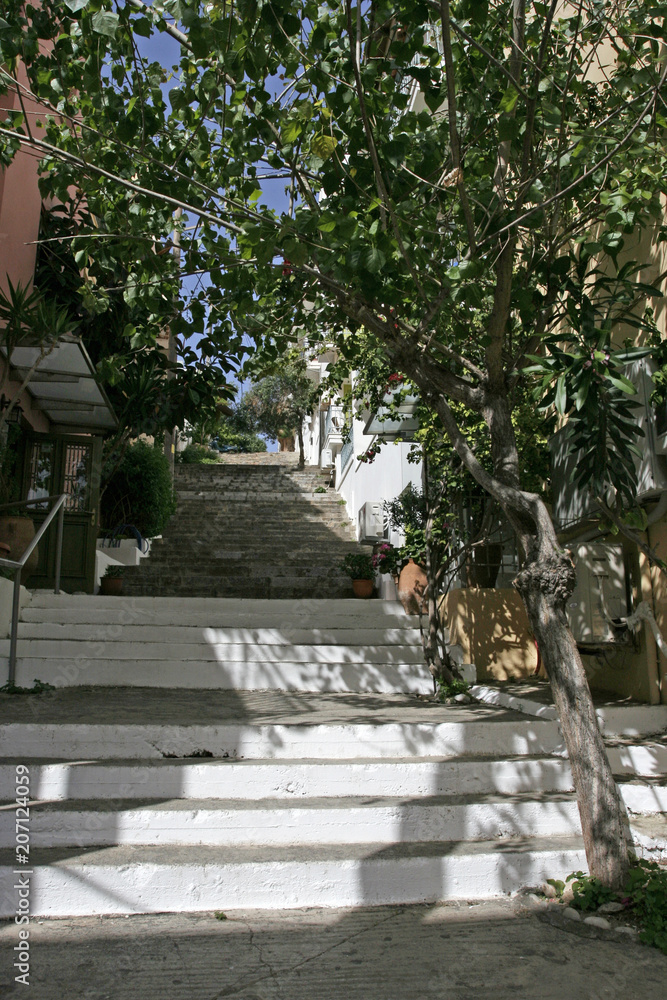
446, 952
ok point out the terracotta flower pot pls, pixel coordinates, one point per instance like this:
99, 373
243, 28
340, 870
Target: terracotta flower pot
411, 587
363, 588
17, 533
111, 586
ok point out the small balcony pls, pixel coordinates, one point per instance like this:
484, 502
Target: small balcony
334, 426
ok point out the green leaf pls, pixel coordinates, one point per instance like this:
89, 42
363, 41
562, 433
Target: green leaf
327, 224
75, 5
624, 384
291, 131
323, 146
105, 23
373, 260
296, 252
561, 394
142, 26
509, 99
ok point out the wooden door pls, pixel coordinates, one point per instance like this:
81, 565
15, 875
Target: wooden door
58, 464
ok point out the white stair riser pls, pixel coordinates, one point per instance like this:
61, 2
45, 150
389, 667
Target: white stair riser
82, 889
270, 827
88, 669
126, 613
205, 636
645, 799
208, 649
250, 780
305, 611
329, 742
644, 760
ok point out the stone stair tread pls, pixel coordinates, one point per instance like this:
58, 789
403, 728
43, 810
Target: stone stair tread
168, 706
279, 804
201, 855
282, 763
287, 536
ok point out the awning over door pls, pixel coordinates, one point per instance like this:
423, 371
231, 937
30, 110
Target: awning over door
63, 387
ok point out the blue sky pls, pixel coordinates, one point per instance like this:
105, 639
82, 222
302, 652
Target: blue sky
162, 48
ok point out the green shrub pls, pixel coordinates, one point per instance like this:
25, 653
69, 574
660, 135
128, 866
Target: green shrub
644, 895
647, 889
139, 492
450, 690
588, 893
358, 566
196, 453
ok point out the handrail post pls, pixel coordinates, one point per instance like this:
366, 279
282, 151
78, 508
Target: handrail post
59, 507
16, 608
59, 547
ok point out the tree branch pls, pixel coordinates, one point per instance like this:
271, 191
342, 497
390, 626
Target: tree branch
385, 201
453, 128
586, 173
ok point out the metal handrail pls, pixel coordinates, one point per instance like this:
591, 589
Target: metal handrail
17, 566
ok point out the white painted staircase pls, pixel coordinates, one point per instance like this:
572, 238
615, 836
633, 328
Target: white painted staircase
307, 774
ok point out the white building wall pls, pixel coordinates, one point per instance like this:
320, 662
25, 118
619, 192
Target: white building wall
382, 479
360, 482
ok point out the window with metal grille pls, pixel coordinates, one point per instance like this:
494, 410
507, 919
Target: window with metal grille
41, 471
77, 475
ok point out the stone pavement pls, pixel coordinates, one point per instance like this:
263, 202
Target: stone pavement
457, 951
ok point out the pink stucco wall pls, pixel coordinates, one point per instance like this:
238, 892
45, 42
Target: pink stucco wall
20, 205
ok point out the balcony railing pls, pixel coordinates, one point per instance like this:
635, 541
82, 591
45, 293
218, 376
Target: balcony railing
347, 451
334, 421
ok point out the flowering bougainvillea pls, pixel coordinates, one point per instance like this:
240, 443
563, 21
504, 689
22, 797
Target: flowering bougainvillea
388, 559
369, 456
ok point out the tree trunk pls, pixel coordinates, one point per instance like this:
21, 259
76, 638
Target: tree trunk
545, 587
545, 583
439, 669
302, 454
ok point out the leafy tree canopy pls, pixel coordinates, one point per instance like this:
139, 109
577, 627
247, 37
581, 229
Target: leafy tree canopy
467, 222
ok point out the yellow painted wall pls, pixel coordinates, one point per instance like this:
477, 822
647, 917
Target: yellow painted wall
632, 671
491, 626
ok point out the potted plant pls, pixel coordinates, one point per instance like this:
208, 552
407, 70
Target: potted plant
388, 559
16, 526
111, 584
359, 567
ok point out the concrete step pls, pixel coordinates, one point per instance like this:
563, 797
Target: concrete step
646, 758
212, 646
77, 881
151, 587
347, 638
99, 664
223, 572
280, 822
293, 780
218, 612
274, 740
403, 779
646, 795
